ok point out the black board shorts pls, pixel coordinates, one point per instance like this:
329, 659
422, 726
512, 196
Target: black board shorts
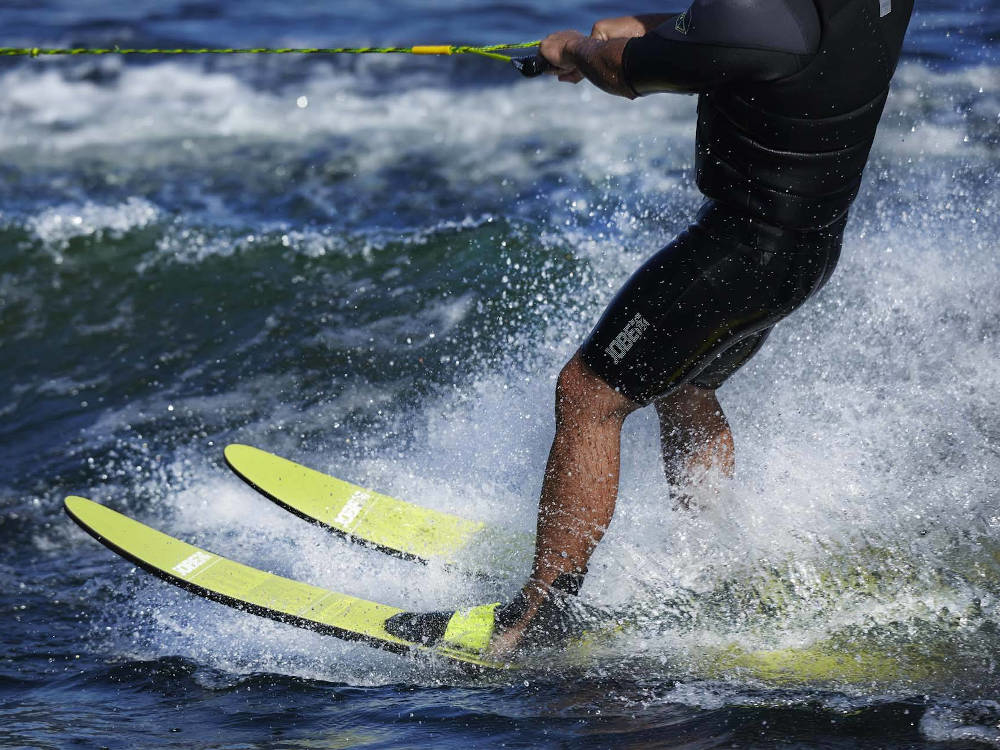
701, 307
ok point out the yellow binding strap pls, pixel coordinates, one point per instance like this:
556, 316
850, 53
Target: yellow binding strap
471, 629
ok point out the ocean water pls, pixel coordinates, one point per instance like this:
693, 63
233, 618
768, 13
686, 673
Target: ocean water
376, 266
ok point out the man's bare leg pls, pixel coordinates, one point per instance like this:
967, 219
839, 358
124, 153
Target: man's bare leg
580, 485
695, 438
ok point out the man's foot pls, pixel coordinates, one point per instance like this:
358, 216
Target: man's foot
467, 629
501, 629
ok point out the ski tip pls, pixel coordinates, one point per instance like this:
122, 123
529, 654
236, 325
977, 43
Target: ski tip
236, 453
235, 450
82, 511
73, 504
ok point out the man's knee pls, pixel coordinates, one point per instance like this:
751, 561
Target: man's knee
692, 411
686, 400
580, 394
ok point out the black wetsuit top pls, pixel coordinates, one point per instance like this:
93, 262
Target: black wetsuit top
790, 93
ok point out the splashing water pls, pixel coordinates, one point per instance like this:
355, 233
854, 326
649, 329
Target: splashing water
383, 285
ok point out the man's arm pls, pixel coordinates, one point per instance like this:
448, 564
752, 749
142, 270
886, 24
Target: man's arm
575, 57
626, 27
710, 44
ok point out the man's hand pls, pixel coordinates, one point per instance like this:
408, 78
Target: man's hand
598, 58
553, 49
626, 27
574, 57
622, 27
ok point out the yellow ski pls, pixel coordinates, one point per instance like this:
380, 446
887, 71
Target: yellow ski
249, 589
392, 526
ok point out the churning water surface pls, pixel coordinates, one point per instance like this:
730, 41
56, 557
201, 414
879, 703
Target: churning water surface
376, 267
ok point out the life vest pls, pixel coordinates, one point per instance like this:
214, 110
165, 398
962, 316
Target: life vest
791, 151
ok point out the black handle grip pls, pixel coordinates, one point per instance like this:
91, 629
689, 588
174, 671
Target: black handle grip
531, 66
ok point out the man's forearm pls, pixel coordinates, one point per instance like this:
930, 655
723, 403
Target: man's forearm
601, 63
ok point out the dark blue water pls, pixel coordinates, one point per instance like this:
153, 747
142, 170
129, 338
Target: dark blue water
376, 266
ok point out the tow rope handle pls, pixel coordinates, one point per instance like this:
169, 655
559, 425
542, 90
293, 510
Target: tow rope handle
531, 66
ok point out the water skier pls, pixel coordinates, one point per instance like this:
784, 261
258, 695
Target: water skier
790, 93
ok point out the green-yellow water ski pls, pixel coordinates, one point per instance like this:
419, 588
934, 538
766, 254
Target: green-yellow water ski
249, 589
393, 526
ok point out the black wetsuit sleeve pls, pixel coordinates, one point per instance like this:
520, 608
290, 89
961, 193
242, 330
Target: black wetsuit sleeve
719, 42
